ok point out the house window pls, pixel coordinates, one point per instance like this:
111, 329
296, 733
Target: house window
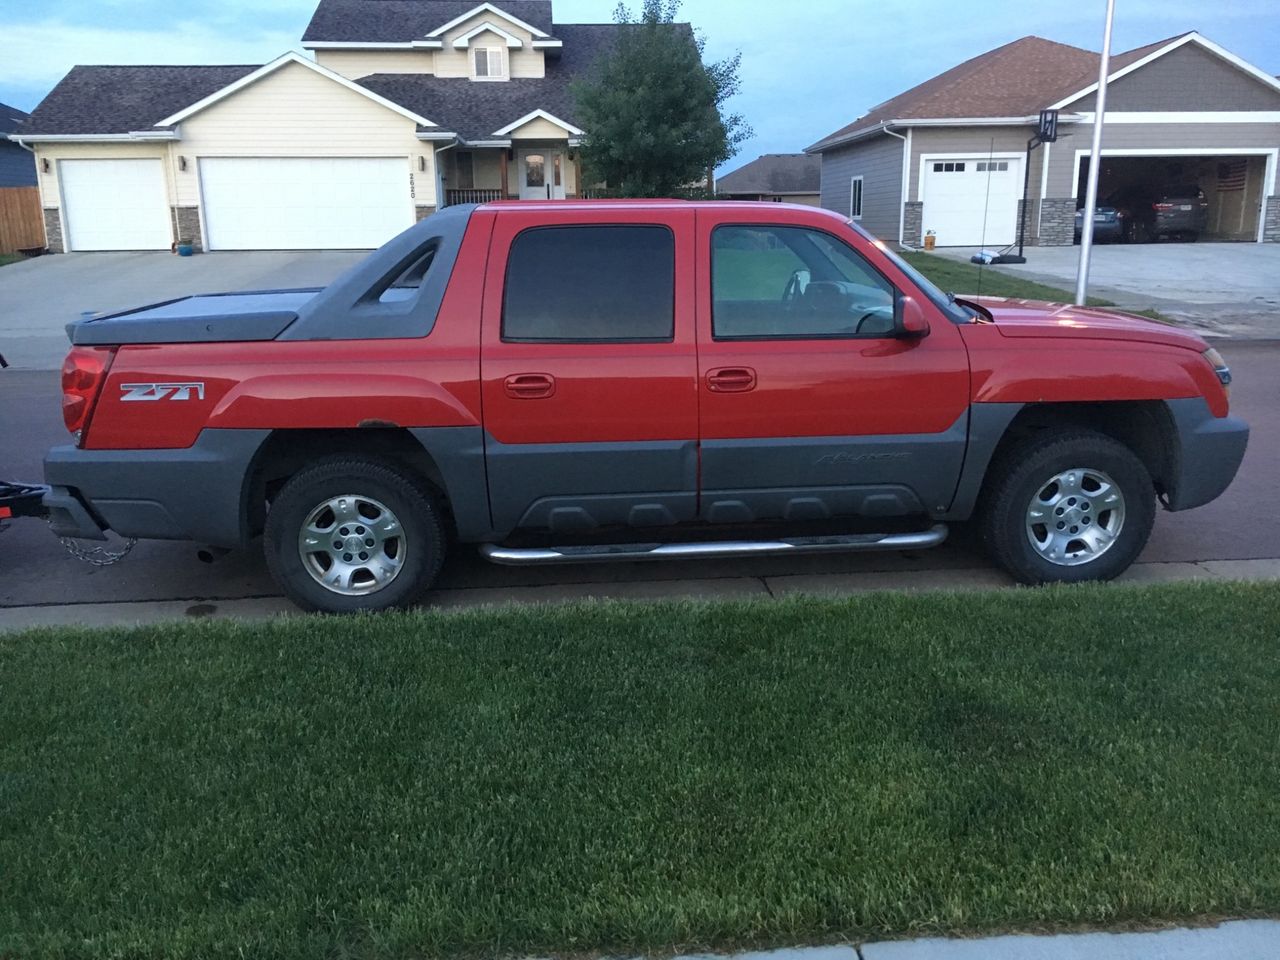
948, 167
855, 198
466, 175
489, 63
993, 166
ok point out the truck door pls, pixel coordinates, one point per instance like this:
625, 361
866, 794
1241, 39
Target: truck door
811, 405
589, 369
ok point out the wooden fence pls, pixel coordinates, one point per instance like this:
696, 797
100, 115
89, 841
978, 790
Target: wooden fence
21, 219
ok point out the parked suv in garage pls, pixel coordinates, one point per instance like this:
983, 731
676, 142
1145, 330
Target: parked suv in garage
1179, 212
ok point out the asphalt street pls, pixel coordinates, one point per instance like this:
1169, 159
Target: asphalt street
36, 570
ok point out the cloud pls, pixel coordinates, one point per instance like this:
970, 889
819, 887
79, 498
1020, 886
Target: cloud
41, 53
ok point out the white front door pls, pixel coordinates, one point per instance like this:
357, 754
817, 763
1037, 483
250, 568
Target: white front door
542, 174
304, 203
115, 205
970, 201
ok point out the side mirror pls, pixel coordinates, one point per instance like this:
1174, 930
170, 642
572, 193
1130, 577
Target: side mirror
914, 325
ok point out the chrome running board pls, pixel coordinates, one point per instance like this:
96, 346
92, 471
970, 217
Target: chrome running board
712, 549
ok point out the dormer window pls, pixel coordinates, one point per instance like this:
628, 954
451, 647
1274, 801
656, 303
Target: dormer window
489, 63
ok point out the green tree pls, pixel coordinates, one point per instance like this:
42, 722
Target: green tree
653, 110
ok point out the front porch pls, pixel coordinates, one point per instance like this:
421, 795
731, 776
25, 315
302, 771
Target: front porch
548, 170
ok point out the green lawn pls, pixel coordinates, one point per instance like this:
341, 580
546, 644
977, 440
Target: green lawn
8, 258
968, 278
621, 777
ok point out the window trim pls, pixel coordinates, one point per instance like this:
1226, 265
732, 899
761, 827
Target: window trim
861, 182
503, 69
587, 341
821, 337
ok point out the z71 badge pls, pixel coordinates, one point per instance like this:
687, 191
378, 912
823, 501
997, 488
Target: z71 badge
162, 391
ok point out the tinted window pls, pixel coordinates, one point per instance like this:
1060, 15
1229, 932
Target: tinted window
575, 284
793, 283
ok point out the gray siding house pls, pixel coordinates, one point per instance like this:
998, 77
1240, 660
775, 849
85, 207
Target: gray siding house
949, 157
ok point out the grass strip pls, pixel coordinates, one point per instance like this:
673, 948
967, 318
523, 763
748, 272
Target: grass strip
620, 777
968, 279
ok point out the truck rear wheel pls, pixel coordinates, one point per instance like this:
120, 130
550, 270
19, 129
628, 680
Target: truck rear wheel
350, 535
1067, 507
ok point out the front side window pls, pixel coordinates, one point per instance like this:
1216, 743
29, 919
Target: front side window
488, 63
794, 283
591, 284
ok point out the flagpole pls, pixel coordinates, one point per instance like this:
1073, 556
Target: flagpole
1095, 161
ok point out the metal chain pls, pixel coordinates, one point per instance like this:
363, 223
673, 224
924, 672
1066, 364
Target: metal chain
98, 556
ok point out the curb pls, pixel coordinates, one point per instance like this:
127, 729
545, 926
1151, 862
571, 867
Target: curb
139, 613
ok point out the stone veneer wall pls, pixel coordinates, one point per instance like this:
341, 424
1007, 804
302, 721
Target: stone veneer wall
1058, 222
53, 231
186, 226
1271, 223
424, 212
913, 223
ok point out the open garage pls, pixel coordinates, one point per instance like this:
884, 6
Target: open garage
1181, 195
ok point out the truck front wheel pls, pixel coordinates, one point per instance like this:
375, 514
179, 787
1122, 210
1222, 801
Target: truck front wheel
1067, 507
349, 535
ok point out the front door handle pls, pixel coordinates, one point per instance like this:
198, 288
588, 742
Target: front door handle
530, 386
731, 380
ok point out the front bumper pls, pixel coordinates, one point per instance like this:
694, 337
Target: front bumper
198, 493
1210, 450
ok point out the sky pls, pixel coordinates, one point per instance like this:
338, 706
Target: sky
807, 68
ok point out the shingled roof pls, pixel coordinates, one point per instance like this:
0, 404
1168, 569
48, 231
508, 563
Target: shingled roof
399, 21
475, 110
777, 174
114, 99
10, 117
1016, 80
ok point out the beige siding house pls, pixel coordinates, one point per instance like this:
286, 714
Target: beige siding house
951, 156
399, 109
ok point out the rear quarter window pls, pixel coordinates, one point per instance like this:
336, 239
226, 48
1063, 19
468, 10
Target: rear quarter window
590, 284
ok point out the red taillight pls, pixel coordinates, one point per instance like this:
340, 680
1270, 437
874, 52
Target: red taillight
1162, 206
83, 374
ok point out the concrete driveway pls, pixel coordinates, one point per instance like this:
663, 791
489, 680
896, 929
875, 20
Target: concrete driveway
39, 297
1224, 289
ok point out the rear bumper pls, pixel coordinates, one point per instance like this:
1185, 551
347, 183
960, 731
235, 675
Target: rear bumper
198, 493
1210, 452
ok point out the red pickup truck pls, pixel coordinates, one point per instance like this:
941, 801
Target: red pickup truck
571, 382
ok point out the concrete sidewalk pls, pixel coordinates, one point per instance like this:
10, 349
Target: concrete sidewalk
14, 618
1235, 940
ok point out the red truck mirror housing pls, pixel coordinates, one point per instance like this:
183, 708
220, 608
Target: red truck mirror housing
915, 324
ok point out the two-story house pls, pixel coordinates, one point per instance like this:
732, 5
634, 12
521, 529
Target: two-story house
408, 105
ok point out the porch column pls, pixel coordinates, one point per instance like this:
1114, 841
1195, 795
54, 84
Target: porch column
506, 186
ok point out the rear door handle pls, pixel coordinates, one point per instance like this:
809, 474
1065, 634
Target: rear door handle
731, 380
530, 386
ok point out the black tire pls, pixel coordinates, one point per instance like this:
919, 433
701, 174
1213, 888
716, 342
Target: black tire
413, 505
1023, 471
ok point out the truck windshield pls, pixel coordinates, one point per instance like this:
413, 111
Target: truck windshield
946, 302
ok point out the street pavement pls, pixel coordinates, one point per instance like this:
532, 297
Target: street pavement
35, 571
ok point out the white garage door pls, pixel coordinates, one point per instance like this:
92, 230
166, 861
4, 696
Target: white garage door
304, 203
962, 195
114, 205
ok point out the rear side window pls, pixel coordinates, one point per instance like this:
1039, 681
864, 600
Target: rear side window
606, 284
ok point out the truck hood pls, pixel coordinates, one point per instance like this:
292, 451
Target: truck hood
209, 318
1034, 318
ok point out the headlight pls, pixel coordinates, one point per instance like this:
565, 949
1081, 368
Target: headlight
1220, 367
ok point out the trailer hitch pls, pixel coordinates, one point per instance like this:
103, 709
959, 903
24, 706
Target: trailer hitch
27, 500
